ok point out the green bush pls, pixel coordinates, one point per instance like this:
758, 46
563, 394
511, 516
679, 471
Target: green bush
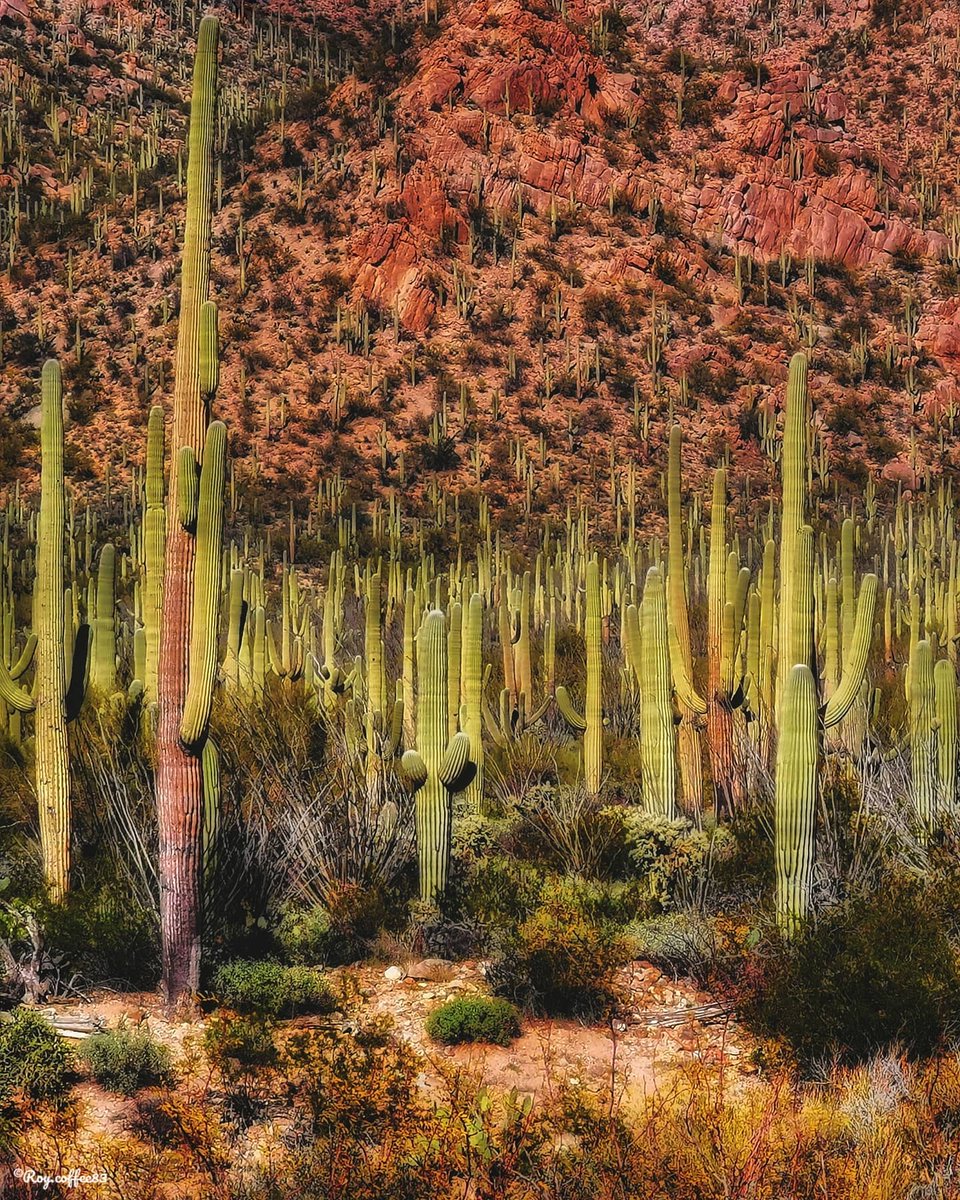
876, 972
562, 956
675, 859
272, 989
34, 1058
474, 1019
124, 1060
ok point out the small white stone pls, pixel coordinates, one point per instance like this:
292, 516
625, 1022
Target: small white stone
394, 974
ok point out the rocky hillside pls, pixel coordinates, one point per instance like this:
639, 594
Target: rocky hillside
499, 243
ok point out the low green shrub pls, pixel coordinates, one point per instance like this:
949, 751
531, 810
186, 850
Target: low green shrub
562, 956
272, 989
474, 1019
34, 1058
125, 1060
876, 972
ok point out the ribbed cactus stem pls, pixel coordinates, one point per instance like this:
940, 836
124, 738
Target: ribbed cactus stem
52, 764
210, 833
795, 626
438, 763
857, 652
681, 655
795, 799
719, 635
657, 746
923, 749
945, 697
154, 548
104, 627
472, 685
207, 589
593, 709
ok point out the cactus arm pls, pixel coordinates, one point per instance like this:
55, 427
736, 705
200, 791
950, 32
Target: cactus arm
854, 669
23, 663
188, 496
454, 762
945, 697
568, 712
206, 589
12, 694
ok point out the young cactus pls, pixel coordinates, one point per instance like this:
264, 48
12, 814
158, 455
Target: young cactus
438, 766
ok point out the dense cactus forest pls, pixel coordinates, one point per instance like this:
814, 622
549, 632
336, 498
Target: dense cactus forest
371, 829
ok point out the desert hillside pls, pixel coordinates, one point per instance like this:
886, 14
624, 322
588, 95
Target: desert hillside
497, 243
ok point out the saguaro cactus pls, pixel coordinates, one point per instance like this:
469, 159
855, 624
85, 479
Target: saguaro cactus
439, 762
104, 625
179, 787
473, 696
154, 546
647, 649
52, 764
796, 798
681, 658
590, 724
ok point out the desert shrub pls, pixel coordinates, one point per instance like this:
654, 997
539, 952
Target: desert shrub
498, 891
474, 1019
333, 933
358, 1081
567, 830
124, 1060
874, 972
34, 1058
272, 989
674, 858
562, 956
306, 935
682, 942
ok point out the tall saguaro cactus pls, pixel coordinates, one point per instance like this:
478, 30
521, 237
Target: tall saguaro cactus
797, 700
179, 786
52, 764
691, 770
